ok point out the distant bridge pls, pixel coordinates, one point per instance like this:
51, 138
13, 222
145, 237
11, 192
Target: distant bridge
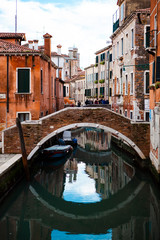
36, 133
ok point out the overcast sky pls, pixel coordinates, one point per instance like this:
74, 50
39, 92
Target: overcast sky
85, 24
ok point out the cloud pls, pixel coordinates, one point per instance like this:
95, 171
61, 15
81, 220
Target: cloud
86, 24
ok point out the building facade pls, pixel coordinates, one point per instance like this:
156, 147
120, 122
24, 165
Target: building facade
130, 85
28, 80
154, 51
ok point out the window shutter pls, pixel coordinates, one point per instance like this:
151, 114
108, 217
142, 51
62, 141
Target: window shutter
147, 43
64, 91
23, 80
158, 70
153, 72
147, 82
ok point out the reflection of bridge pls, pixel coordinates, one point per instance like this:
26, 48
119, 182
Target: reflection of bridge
55, 213
36, 133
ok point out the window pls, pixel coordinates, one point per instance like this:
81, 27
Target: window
132, 35
126, 85
131, 85
147, 36
122, 11
113, 53
96, 59
23, 116
121, 81
113, 87
146, 116
23, 80
102, 57
102, 91
131, 114
155, 30
117, 50
110, 58
117, 87
125, 113
122, 46
127, 44
97, 76
102, 74
146, 82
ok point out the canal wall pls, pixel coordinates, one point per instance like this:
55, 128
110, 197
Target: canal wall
11, 172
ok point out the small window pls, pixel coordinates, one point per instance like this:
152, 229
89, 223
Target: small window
23, 80
122, 46
122, 11
131, 115
126, 85
146, 82
147, 116
132, 43
23, 116
125, 113
131, 87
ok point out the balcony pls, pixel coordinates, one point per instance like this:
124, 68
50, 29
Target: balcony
151, 41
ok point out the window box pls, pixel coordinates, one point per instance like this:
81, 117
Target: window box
101, 81
96, 81
152, 87
157, 85
101, 96
102, 63
96, 65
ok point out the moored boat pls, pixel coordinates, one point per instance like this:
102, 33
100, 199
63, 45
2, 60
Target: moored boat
57, 151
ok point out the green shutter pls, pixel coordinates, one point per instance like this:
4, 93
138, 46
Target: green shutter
153, 72
147, 82
23, 80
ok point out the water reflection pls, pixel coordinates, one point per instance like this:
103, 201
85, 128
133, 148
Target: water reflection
101, 197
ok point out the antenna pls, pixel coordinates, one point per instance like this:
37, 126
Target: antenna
16, 19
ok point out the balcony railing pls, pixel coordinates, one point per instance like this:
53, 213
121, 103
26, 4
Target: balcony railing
115, 25
115, 20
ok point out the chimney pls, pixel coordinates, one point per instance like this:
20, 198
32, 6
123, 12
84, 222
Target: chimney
59, 49
30, 44
47, 44
35, 44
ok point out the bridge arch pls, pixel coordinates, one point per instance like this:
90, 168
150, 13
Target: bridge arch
95, 125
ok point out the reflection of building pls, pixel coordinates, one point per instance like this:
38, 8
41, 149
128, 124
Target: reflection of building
94, 140
71, 168
52, 181
111, 178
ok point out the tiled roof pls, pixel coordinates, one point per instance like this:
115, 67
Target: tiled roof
7, 47
6, 35
78, 76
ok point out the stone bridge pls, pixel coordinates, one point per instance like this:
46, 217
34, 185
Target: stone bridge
36, 133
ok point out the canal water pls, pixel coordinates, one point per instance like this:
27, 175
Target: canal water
96, 193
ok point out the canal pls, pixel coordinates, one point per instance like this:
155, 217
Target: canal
96, 193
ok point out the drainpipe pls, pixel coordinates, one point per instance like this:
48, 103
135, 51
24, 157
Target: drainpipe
7, 105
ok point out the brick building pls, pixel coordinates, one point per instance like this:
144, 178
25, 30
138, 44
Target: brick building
28, 85
130, 92
154, 60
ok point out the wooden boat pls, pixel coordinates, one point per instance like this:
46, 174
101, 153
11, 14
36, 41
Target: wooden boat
57, 151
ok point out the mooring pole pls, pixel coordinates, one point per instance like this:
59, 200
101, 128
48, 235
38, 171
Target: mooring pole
23, 149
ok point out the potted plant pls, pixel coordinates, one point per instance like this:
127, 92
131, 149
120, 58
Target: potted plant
101, 81
96, 81
102, 62
157, 85
152, 87
96, 65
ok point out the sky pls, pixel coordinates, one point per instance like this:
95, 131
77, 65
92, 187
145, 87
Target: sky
85, 24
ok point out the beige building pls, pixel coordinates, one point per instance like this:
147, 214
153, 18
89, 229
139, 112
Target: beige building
130, 85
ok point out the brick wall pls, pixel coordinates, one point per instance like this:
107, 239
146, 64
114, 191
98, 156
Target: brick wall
139, 133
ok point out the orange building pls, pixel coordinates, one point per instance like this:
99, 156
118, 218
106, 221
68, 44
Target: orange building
154, 49
29, 88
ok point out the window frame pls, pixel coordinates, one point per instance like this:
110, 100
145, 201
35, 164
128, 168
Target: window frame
147, 71
24, 112
126, 87
17, 80
132, 92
